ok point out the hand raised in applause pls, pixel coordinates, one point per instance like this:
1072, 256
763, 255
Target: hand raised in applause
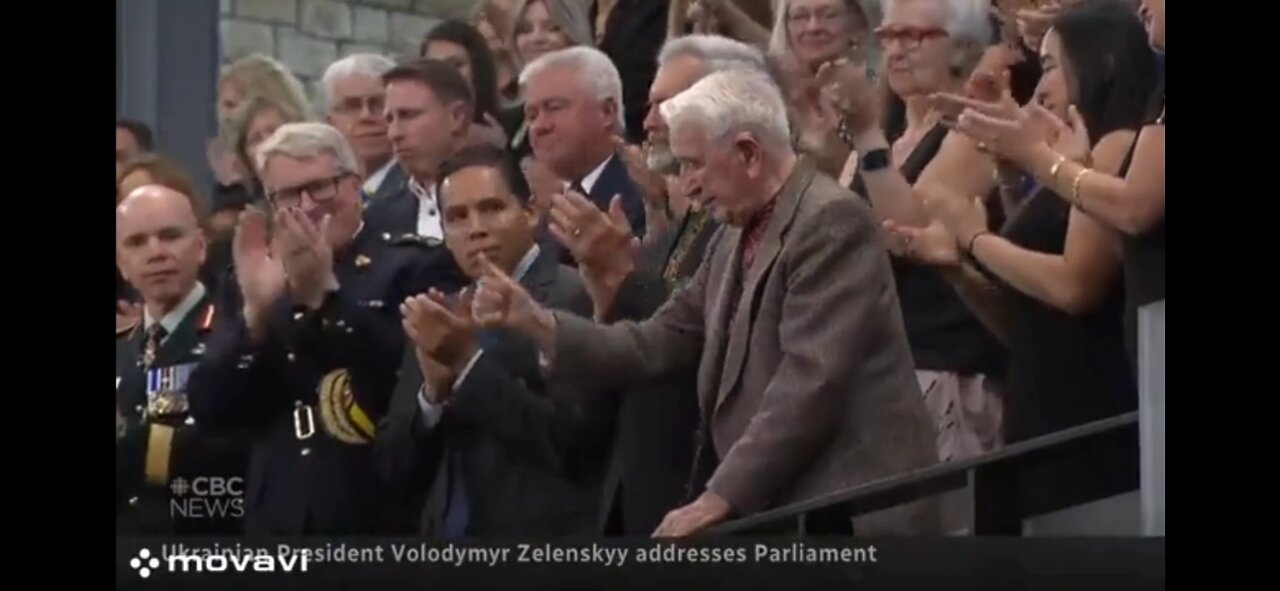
930, 245
847, 89
1001, 127
542, 181
443, 334
306, 256
501, 302
602, 244
653, 185
258, 272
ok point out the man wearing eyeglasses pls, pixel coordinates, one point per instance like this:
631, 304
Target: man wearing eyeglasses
310, 362
355, 100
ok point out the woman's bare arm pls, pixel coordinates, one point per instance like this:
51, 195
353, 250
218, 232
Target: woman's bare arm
1131, 204
1080, 278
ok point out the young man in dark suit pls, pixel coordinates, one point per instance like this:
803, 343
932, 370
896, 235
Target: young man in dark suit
477, 442
160, 248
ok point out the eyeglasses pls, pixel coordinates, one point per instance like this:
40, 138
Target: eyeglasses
321, 191
357, 105
910, 37
826, 17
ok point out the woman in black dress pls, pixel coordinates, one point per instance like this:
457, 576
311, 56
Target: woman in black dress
1130, 201
1055, 271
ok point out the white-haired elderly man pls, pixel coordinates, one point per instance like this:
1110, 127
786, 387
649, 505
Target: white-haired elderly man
805, 380
354, 103
652, 459
309, 363
573, 105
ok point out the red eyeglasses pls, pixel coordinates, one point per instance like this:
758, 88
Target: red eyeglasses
911, 37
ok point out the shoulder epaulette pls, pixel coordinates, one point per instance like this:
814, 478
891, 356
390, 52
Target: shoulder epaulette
411, 239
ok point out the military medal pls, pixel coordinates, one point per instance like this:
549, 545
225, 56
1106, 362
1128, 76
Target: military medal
166, 390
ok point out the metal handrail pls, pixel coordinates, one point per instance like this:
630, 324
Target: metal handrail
940, 478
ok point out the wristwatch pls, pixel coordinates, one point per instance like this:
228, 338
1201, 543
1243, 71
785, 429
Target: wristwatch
874, 160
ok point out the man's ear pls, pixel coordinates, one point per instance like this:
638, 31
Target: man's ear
460, 114
610, 109
748, 148
203, 239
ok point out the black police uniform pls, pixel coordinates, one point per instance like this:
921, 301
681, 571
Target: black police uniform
172, 476
312, 390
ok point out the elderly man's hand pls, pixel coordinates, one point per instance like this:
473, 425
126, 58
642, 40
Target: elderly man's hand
705, 512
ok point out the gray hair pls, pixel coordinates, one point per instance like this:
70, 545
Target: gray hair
307, 140
966, 20
596, 73
716, 52
732, 101
356, 64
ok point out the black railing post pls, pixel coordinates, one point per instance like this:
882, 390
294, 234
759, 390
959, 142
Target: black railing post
994, 501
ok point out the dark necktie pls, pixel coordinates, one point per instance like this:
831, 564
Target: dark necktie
155, 336
458, 509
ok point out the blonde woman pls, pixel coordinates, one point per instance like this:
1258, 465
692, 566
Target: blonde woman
245, 79
536, 28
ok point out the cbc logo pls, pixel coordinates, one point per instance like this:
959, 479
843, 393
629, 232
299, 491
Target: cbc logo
208, 486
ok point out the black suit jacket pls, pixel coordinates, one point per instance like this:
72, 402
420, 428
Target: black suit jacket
396, 181
395, 213
633, 36
650, 471
614, 180
312, 390
152, 453
532, 453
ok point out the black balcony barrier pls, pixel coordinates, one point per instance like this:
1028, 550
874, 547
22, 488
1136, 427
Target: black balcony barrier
1019, 481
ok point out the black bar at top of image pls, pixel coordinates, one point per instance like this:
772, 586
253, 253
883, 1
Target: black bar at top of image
1095, 564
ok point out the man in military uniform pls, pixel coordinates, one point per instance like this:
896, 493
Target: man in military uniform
160, 450
310, 359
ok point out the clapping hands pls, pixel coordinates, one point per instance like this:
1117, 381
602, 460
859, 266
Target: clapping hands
601, 242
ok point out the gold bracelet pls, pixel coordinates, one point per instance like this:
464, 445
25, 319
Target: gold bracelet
1053, 171
1075, 186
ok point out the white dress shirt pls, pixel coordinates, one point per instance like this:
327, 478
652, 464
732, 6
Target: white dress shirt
589, 181
428, 210
431, 413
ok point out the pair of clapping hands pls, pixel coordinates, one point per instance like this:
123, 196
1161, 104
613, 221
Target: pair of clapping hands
1005, 130
444, 330
294, 255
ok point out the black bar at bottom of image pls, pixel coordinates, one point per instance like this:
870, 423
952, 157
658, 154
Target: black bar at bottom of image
1133, 564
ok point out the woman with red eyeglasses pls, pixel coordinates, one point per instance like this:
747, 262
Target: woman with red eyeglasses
927, 46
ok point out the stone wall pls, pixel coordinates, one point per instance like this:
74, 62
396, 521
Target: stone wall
308, 35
